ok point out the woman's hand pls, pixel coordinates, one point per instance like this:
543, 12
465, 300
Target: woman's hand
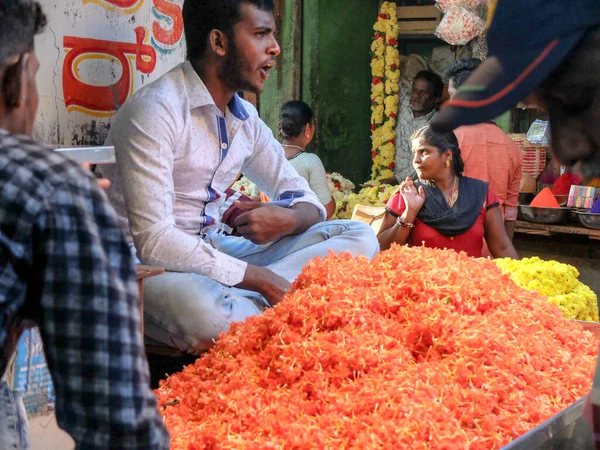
413, 198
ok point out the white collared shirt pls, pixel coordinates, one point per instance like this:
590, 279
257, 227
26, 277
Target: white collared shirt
176, 155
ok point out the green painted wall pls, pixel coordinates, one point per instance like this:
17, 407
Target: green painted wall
332, 75
284, 81
343, 91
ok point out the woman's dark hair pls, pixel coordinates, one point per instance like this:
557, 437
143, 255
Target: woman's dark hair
200, 17
434, 80
20, 21
443, 142
293, 118
460, 70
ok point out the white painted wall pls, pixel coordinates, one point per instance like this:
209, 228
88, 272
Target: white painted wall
93, 55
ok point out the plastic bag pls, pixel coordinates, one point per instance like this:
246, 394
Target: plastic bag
459, 26
445, 5
539, 132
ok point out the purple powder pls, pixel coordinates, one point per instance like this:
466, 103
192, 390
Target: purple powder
596, 208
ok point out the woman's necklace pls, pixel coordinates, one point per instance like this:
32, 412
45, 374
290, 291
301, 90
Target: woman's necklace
453, 193
295, 154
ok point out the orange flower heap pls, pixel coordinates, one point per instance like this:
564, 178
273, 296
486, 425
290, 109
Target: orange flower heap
420, 348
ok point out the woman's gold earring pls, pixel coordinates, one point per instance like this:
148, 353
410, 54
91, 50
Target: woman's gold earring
447, 163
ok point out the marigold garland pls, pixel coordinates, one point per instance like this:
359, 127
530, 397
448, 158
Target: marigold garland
557, 281
370, 196
339, 185
420, 348
385, 68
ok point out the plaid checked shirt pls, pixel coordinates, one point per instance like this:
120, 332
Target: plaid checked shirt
66, 267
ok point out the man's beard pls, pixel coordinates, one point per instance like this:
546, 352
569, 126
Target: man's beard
232, 72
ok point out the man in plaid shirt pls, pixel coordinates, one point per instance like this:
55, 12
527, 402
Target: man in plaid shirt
65, 267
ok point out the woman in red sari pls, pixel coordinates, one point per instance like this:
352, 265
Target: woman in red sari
444, 209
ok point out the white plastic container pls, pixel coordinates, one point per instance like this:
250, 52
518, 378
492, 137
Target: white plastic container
92, 155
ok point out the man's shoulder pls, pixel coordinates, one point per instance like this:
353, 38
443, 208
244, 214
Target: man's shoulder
168, 89
32, 173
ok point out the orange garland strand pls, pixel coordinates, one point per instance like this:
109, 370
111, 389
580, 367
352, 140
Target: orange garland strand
420, 348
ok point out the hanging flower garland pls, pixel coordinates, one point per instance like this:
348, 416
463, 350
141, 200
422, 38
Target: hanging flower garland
385, 67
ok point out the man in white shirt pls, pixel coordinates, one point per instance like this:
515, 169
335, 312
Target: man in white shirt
180, 143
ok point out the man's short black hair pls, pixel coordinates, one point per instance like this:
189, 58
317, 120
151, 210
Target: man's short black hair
200, 17
460, 70
20, 21
434, 80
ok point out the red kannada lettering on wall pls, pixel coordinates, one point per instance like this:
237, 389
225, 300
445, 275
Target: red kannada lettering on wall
120, 6
103, 100
173, 35
122, 3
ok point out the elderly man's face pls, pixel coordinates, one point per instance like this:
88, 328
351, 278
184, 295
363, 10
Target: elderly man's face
571, 95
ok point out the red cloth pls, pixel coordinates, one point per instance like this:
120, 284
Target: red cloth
470, 242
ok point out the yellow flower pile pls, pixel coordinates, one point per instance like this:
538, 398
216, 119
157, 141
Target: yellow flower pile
371, 196
557, 281
385, 68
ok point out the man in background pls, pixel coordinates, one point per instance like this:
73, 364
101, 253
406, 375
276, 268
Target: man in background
415, 111
488, 152
65, 267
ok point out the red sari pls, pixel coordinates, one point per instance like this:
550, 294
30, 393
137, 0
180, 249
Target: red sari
470, 242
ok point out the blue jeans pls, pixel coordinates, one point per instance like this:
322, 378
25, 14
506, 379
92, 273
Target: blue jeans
189, 311
14, 429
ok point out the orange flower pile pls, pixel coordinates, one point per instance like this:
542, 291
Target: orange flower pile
420, 348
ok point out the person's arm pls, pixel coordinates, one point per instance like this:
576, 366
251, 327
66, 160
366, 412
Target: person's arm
330, 208
391, 232
294, 207
392, 181
90, 322
265, 222
270, 285
495, 235
317, 180
509, 226
512, 194
145, 137
405, 205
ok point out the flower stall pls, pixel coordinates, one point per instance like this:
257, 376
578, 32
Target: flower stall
418, 349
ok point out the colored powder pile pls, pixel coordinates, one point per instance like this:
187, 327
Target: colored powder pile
562, 186
596, 208
545, 199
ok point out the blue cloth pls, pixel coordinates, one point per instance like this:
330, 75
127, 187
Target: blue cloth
66, 267
14, 430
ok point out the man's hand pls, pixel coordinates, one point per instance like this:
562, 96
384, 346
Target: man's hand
104, 183
392, 181
266, 282
263, 223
